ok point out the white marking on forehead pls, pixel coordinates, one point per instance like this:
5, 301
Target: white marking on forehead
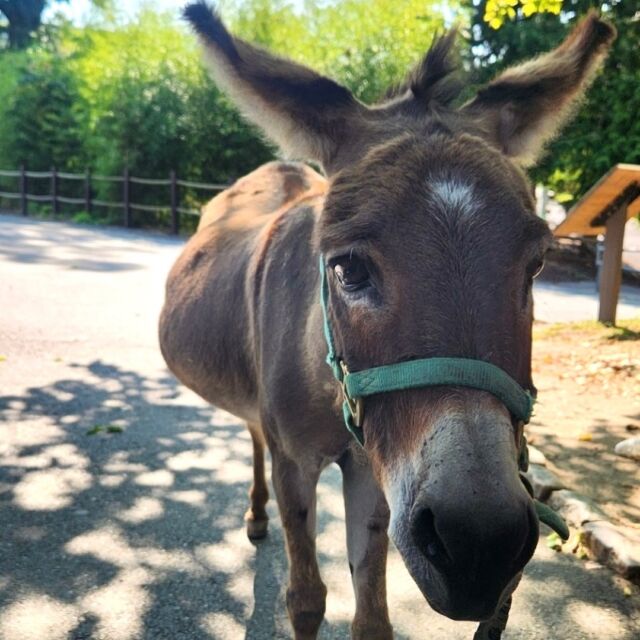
453, 195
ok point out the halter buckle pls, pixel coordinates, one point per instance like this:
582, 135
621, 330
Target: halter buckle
355, 405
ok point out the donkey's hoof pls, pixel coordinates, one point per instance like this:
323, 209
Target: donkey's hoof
257, 529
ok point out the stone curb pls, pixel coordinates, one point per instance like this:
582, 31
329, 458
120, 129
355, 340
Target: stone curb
543, 481
614, 546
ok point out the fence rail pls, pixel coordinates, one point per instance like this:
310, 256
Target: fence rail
89, 201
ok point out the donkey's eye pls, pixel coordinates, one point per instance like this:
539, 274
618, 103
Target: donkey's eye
351, 272
535, 269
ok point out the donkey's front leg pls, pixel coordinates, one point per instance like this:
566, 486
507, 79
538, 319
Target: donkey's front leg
367, 516
295, 489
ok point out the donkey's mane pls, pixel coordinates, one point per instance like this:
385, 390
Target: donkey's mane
433, 79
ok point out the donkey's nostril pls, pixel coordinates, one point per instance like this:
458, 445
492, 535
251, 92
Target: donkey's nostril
425, 536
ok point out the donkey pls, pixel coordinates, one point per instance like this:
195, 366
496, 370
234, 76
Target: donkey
427, 240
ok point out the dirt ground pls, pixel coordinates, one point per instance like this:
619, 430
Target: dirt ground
588, 380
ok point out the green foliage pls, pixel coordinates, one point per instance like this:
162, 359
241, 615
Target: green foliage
153, 108
44, 117
10, 64
605, 130
497, 11
367, 45
136, 95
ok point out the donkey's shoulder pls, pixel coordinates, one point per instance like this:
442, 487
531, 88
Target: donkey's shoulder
272, 187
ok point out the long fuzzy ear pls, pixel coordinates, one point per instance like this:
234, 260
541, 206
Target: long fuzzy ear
432, 81
524, 107
307, 115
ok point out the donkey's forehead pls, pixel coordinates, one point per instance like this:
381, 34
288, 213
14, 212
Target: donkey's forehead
455, 176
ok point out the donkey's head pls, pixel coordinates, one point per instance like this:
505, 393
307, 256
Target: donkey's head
431, 244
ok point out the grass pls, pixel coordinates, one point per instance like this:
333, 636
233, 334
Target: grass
623, 330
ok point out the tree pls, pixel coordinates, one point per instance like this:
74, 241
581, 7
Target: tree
605, 130
24, 17
367, 45
45, 117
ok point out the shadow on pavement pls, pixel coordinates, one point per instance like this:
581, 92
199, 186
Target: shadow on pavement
133, 534
75, 247
612, 478
140, 534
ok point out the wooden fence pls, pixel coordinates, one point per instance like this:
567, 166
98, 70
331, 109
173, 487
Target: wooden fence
88, 202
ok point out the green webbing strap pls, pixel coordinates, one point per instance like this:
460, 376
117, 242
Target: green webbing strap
332, 358
544, 512
549, 517
428, 372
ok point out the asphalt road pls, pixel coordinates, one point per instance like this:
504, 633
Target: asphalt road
139, 534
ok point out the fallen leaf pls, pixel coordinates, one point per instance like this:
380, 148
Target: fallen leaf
585, 437
554, 541
94, 430
108, 428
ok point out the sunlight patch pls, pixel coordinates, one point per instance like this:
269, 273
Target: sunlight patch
37, 617
208, 460
29, 434
222, 626
192, 496
119, 463
120, 605
228, 556
589, 616
112, 481
190, 436
108, 545
331, 540
234, 471
160, 478
143, 509
50, 489
163, 560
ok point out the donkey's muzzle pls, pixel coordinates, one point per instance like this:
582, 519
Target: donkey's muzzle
476, 547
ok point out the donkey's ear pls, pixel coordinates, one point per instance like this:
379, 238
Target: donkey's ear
526, 106
306, 114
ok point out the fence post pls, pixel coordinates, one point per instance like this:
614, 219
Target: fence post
23, 190
87, 190
54, 191
126, 197
175, 216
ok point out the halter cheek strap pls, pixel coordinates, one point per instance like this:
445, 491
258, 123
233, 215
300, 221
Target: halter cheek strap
427, 372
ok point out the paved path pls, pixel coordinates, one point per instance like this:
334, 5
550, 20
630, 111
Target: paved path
573, 301
139, 535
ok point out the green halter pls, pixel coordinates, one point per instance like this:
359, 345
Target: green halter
425, 372
428, 372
